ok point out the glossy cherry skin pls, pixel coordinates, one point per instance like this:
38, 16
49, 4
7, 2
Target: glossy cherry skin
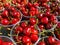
32, 21
19, 38
51, 39
14, 20
32, 8
29, 4
41, 43
7, 43
34, 31
1, 42
7, 5
4, 22
34, 37
26, 39
49, 26
44, 20
53, 18
19, 29
41, 27
23, 24
27, 31
40, 16
16, 14
5, 13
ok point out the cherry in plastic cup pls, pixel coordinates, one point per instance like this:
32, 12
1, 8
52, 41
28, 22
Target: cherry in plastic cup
13, 33
10, 25
7, 39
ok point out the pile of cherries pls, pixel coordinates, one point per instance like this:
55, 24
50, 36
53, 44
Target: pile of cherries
5, 43
9, 16
49, 41
41, 18
26, 34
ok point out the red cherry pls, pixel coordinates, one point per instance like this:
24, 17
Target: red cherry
44, 20
25, 13
1, 42
5, 13
40, 16
23, 24
31, 26
26, 39
19, 38
14, 1
4, 21
27, 31
29, 4
51, 39
19, 1
29, 43
16, 14
7, 43
32, 21
12, 8
58, 26
36, 4
19, 29
7, 5
48, 14
33, 31
0, 17
32, 8
41, 43
23, 8
36, 11
32, 13
41, 27
53, 18
34, 37
14, 20
48, 26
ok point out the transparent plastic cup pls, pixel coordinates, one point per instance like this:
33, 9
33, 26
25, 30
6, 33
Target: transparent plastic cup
52, 29
13, 24
7, 39
13, 32
57, 30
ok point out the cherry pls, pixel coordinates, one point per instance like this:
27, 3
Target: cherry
58, 26
53, 18
23, 8
29, 43
5, 13
51, 39
48, 26
26, 39
25, 13
16, 14
7, 5
14, 20
36, 12
29, 4
41, 43
31, 26
48, 13
14, 1
12, 8
33, 31
19, 29
23, 24
0, 17
7, 43
40, 16
44, 20
36, 4
32, 8
19, 38
32, 21
19, 1
27, 31
41, 27
4, 22
32, 13
1, 42
34, 37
